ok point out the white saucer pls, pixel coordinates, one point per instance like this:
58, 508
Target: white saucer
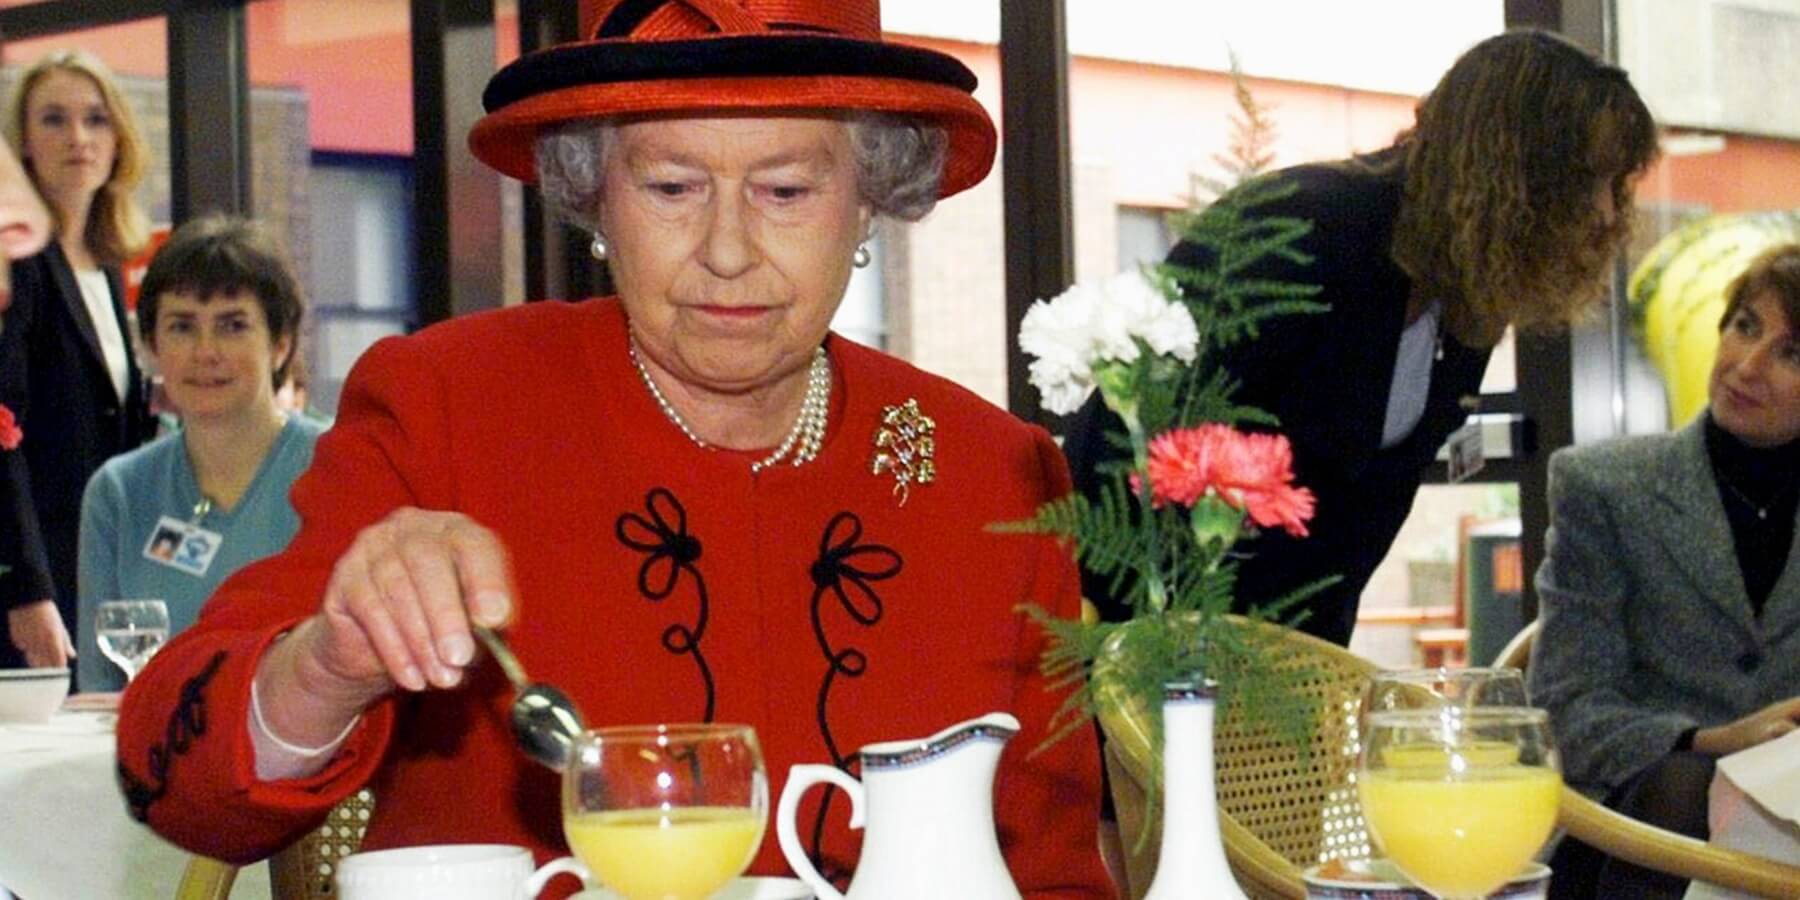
738, 889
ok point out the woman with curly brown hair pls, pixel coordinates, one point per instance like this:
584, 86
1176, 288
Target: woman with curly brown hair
1501, 207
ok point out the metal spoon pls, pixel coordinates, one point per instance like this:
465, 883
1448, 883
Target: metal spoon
544, 721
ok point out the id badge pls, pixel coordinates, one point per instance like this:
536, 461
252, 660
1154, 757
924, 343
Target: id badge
1466, 457
182, 545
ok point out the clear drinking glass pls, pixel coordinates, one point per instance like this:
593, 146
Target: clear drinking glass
1433, 688
666, 812
131, 631
1459, 798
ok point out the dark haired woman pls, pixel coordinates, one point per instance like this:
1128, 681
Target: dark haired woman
1500, 207
221, 314
1670, 596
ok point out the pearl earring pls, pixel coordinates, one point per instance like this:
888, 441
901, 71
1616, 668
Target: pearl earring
598, 247
862, 257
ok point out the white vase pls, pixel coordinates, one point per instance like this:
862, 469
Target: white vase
1191, 862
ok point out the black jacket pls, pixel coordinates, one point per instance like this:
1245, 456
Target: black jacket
1327, 377
54, 379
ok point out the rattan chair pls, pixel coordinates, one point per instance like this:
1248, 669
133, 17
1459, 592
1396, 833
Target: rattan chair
206, 878
1626, 838
303, 870
1278, 814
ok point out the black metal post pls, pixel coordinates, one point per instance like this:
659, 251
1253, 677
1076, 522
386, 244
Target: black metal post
557, 262
1545, 362
456, 199
209, 106
35, 20
1034, 167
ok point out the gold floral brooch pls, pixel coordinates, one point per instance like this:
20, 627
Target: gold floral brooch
905, 447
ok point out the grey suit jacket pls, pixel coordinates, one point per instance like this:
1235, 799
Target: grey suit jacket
1647, 630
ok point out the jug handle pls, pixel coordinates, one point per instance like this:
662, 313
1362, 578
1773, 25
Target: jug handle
567, 865
801, 778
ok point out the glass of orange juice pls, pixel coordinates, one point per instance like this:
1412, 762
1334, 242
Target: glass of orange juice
1465, 686
1460, 798
666, 812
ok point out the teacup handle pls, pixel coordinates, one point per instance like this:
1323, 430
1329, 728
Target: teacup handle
567, 865
800, 778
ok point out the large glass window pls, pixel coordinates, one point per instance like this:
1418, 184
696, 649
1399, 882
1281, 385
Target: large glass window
1721, 81
1158, 122
137, 54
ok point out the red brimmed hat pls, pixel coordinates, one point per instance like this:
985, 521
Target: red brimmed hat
700, 57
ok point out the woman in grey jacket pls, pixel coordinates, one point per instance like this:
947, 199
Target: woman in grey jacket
1671, 587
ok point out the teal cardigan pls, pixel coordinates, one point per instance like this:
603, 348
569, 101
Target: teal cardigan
130, 493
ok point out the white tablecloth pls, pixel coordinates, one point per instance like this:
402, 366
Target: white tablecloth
64, 831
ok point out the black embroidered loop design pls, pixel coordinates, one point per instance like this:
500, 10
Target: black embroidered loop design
663, 536
186, 723
845, 568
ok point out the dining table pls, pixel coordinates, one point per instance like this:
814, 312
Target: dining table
66, 832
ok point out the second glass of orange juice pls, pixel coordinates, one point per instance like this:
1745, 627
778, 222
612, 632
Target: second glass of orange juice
1459, 799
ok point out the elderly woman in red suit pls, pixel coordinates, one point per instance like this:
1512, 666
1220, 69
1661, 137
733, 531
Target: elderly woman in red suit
689, 501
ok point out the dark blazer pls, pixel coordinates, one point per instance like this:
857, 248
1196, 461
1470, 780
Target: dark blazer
55, 380
1647, 628
1326, 376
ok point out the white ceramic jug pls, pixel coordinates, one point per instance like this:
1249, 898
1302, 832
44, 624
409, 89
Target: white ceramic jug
929, 809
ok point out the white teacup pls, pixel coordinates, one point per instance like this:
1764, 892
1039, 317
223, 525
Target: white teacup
445, 872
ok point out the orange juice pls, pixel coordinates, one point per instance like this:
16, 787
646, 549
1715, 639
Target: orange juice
1476, 753
675, 854
1463, 836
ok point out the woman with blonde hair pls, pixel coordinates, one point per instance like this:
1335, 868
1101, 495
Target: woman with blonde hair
66, 366
1501, 207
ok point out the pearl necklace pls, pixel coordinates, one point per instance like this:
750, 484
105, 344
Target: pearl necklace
803, 440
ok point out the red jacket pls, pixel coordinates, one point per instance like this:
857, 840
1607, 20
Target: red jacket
624, 537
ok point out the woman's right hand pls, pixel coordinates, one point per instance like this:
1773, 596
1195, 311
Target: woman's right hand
1766, 724
396, 611
37, 630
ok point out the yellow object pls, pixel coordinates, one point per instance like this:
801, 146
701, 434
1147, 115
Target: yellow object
1461, 837
205, 878
1678, 292
685, 853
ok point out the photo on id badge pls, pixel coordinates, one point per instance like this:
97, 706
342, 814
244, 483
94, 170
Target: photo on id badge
182, 545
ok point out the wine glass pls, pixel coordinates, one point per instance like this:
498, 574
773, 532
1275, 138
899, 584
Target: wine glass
666, 812
131, 631
1459, 798
1432, 688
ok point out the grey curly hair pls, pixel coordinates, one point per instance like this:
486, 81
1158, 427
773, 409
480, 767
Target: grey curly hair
899, 164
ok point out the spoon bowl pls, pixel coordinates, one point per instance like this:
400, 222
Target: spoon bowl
544, 721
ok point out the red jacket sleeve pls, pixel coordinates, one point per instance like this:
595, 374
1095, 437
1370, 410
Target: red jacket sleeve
185, 762
1048, 797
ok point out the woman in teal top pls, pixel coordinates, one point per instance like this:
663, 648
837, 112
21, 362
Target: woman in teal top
219, 311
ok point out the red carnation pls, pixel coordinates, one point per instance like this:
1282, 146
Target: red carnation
1253, 472
10, 433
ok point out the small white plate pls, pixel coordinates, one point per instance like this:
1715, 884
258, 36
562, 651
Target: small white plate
738, 889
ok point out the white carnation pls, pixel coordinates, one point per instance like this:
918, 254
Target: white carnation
1097, 322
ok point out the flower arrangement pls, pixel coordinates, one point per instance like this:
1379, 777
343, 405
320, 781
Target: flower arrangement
1165, 521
